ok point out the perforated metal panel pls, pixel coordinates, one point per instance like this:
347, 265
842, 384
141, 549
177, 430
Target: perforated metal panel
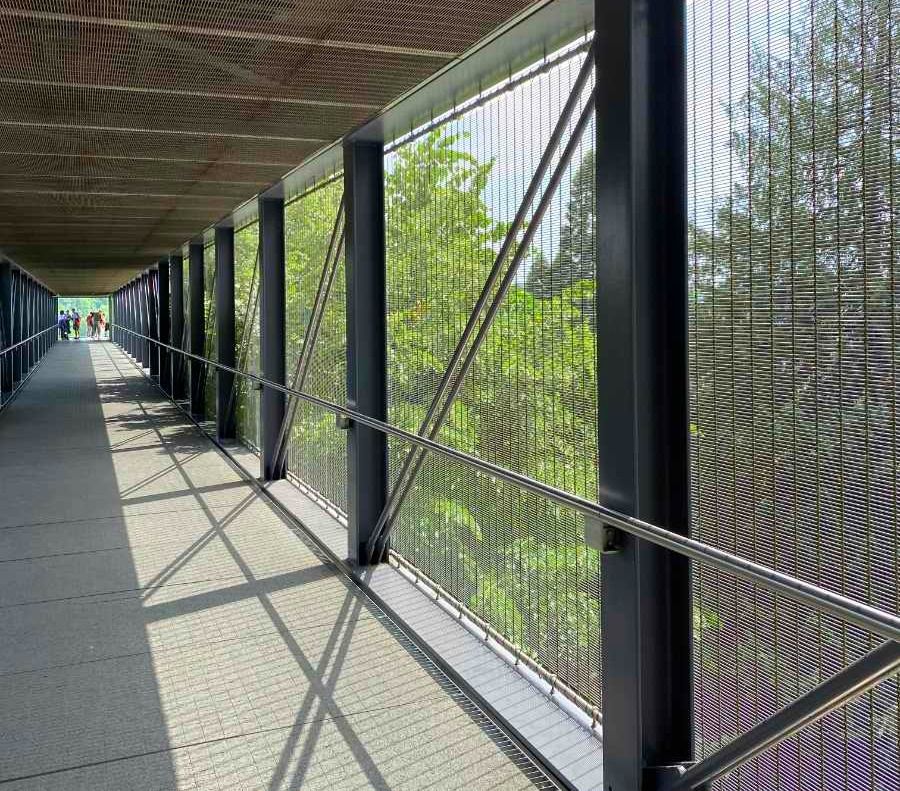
317, 450
171, 114
529, 401
795, 300
246, 331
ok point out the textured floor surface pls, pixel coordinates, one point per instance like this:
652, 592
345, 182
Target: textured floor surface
162, 627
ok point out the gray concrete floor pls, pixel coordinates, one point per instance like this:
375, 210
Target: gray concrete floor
162, 627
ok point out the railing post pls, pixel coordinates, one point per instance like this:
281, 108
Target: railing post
643, 391
366, 340
153, 315
225, 416
176, 286
197, 325
164, 323
6, 326
271, 331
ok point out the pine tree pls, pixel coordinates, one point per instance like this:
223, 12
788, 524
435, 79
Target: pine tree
575, 259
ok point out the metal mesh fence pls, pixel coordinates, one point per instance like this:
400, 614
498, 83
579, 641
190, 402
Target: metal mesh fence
529, 400
246, 332
211, 346
795, 312
186, 330
316, 360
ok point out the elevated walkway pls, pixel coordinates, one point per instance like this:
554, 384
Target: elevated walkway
164, 627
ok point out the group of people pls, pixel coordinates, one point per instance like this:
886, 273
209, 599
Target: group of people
69, 323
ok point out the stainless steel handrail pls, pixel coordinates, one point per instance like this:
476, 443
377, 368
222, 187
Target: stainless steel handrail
27, 340
866, 617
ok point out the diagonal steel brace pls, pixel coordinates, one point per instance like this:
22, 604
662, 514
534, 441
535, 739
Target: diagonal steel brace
323, 291
416, 457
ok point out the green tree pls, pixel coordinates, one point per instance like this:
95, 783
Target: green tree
576, 260
528, 404
793, 296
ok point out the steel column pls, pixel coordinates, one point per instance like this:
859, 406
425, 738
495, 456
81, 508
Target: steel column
114, 318
26, 324
129, 312
197, 321
144, 302
123, 297
366, 342
29, 350
176, 286
164, 323
135, 318
225, 418
129, 323
6, 326
17, 324
153, 314
271, 332
643, 404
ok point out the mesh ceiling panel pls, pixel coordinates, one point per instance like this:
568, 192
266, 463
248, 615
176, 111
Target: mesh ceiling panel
529, 401
182, 111
317, 450
793, 112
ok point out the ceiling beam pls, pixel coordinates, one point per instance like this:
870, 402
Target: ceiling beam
237, 97
173, 132
139, 26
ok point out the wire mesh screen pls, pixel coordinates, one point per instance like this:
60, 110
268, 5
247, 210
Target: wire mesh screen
246, 332
316, 360
210, 343
528, 402
793, 203
182, 361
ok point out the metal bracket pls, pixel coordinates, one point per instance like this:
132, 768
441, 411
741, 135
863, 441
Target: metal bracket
603, 537
664, 777
343, 422
258, 386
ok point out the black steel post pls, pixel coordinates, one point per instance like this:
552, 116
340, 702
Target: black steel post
17, 325
366, 341
144, 303
6, 326
225, 422
135, 318
643, 398
271, 332
119, 319
164, 323
28, 331
197, 325
132, 319
176, 287
153, 314
129, 310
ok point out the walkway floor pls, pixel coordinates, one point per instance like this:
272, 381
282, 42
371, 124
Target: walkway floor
161, 626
